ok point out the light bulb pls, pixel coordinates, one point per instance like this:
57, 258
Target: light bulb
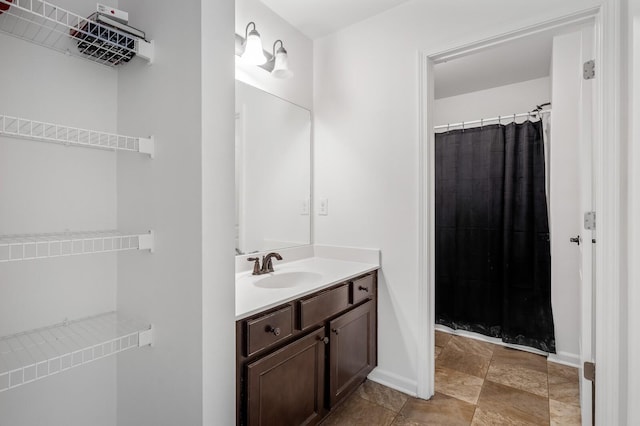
281, 65
253, 53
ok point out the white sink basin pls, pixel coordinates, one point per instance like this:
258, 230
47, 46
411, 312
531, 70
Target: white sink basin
288, 279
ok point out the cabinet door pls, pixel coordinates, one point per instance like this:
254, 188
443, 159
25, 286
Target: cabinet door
287, 386
352, 350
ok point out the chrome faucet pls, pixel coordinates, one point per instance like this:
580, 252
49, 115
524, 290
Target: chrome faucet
267, 263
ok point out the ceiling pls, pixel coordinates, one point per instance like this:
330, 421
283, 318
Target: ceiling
512, 62
317, 18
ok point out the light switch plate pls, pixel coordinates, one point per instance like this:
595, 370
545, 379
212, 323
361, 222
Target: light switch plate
323, 207
304, 207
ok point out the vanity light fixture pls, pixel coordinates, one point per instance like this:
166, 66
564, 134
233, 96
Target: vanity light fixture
253, 53
280, 62
250, 51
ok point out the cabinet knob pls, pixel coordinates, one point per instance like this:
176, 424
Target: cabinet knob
335, 330
362, 288
324, 340
275, 331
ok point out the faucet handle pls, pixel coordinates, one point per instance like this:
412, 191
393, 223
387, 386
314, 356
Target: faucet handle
256, 265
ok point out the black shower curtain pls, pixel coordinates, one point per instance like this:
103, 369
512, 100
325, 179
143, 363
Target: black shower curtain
493, 262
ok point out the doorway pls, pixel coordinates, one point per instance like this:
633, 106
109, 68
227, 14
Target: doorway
592, 118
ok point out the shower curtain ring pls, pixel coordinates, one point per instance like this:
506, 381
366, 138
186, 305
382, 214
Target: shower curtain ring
481, 123
514, 119
448, 124
499, 120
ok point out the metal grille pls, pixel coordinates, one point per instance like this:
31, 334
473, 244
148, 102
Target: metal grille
47, 25
49, 132
41, 246
36, 354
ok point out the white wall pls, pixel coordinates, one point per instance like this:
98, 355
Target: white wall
366, 142
498, 101
186, 195
299, 88
218, 267
52, 188
275, 167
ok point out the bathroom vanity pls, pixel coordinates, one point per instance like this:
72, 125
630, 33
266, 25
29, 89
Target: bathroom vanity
312, 344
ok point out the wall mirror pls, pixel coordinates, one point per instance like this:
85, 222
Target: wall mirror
273, 172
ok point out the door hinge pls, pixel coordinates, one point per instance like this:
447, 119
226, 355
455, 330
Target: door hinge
589, 69
590, 221
589, 371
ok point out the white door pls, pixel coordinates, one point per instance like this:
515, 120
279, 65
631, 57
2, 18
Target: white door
588, 245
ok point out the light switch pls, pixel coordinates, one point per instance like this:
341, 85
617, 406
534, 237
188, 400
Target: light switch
323, 207
304, 207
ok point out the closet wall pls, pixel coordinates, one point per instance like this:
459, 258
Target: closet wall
184, 289
46, 188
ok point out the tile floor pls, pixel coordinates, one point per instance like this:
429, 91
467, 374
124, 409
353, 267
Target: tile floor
477, 383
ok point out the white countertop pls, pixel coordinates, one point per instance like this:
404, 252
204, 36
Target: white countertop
251, 299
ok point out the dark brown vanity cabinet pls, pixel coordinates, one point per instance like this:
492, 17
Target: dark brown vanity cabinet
352, 348
295, 362
286, 387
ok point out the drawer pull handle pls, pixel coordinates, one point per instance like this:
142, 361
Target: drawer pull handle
362, 288
335, 330
275, 331
324, 340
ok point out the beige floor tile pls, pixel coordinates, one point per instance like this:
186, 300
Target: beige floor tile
559, 370
484, 417
442, 338
356, 411
462, 386
518, 377
563, 414
465, 362
519, 407
520, 358
439, 410
563, 384
382, 395
401, 420
472, 346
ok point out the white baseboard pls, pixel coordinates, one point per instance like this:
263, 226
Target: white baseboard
394, 381
565, 358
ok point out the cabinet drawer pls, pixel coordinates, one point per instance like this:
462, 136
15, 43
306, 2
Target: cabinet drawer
362, 288
322, 306
268, 329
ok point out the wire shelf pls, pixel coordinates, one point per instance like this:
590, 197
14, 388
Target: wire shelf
33, 355
47, 25
49, 132
40, 246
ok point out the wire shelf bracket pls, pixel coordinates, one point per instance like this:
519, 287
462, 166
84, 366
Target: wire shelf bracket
24, 128
47, 25
41, 246
34, 355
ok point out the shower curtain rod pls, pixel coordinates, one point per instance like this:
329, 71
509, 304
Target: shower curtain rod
498, 119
